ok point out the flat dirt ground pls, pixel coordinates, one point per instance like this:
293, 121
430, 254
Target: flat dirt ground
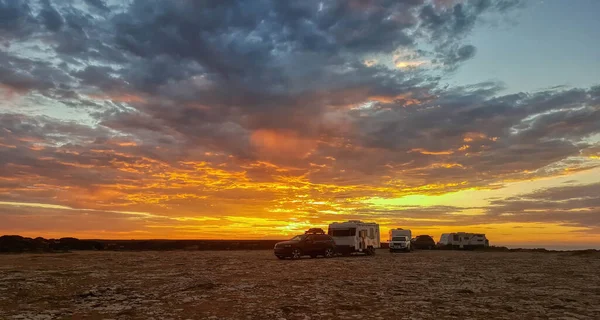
255, 285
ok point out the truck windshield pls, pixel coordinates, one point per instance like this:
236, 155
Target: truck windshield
399, 239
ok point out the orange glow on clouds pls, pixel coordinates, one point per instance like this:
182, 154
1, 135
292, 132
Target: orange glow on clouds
410, 64
435, 153
281, 142
120, 97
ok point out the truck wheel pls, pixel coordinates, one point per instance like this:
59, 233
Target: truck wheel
328, 253
296, 254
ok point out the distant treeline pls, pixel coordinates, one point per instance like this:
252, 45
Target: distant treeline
18, 244
23, 244
14, 243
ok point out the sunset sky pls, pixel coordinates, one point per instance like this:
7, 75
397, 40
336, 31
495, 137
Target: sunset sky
137, 119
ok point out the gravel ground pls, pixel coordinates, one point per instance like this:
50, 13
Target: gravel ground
255, 285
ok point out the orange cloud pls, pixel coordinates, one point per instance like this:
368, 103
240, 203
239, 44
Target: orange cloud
435, 153
119, 97
446, 165
370, 62
281, 143
7, 146
405, 98
409, 64
472, 136
127, 144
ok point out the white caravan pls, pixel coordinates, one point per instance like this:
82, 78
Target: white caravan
399, 239
355, 236
444, 240
463, 240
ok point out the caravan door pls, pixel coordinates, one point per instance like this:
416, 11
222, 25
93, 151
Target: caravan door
362, 239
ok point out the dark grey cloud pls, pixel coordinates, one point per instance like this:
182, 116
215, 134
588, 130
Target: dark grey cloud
238, 44
576, 206
24, 75
256, 59
455, 56
50, 16
25, 79
553, 122
98, 4
102, 78
16, 19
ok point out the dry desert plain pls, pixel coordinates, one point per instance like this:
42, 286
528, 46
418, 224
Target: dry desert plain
255, 285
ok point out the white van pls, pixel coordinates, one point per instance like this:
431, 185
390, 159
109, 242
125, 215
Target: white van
355, 236
399, 240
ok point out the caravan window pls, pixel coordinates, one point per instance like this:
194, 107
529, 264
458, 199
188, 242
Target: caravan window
455, 237
342, 232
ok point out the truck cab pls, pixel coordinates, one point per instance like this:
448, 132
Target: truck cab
399, 240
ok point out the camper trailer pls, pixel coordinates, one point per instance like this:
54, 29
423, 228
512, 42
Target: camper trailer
355, 236
399, 240
444, 240
463, 240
